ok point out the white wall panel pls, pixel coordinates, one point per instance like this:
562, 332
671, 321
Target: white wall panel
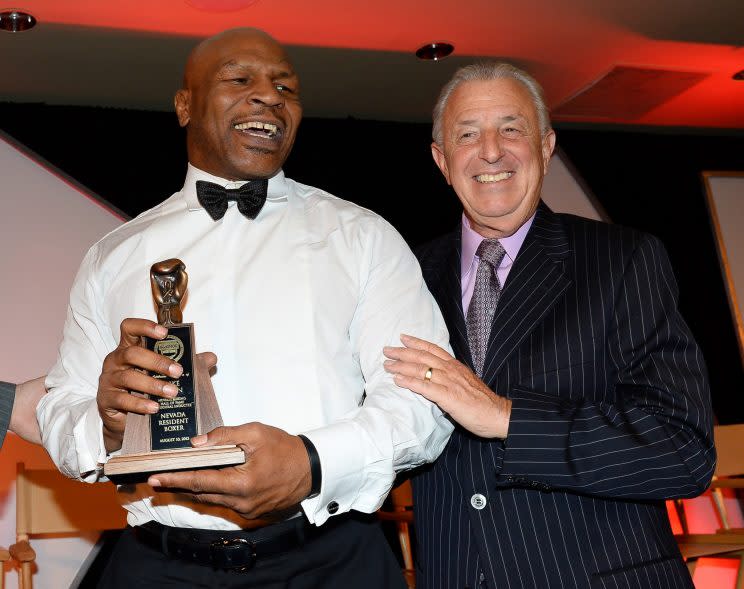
46, 226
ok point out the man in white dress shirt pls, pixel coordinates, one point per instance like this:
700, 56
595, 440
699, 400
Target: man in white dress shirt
297, 303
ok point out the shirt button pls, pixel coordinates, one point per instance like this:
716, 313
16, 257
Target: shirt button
478, 501
332, 507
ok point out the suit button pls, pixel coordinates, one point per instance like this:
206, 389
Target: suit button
478, 501
332, 507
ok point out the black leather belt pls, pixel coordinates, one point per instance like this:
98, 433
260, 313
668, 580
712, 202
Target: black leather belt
235, 550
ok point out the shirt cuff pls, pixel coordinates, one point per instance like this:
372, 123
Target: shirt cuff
91, 454
345, 469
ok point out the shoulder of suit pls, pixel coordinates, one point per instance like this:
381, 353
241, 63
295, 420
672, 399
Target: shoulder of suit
434, 250
575, 225
588, 237
437, 255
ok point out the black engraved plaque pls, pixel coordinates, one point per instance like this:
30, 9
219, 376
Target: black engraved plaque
175, 423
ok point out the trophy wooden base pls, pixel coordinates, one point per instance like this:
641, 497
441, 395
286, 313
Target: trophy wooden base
136, 468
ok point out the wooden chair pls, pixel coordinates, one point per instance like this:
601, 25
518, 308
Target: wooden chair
49, 503
402, 514
727, 542
729, 470
4, 557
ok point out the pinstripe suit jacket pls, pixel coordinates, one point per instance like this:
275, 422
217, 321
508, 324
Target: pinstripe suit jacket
610, 416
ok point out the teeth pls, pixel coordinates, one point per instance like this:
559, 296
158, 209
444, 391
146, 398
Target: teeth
485, 178
268, 127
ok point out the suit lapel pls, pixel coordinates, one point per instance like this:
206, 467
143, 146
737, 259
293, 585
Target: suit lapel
535, 283
447, 290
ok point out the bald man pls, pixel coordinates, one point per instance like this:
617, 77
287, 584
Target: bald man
297, 292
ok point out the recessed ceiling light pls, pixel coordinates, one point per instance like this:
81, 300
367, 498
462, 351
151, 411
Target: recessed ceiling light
738, 75
16, 21
434, 51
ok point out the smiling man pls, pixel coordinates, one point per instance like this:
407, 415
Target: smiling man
580, 395
296, 292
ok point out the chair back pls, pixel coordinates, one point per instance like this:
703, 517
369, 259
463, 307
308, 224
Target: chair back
401, 498
47, 502
729, 441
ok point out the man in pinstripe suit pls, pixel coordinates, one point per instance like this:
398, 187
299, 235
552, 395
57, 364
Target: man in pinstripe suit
588, 405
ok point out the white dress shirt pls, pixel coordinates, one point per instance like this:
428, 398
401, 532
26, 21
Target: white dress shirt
297, 304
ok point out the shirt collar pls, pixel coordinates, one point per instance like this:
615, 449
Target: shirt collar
471, 239
277, 191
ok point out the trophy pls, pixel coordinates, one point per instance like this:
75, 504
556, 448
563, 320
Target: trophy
162, 441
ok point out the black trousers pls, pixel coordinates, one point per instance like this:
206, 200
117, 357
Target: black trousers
352, 554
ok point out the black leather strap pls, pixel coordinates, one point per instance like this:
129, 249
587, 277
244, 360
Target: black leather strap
316, 474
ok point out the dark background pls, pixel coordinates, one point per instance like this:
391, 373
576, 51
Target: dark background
643, 178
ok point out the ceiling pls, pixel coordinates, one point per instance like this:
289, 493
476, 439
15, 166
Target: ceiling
356, 58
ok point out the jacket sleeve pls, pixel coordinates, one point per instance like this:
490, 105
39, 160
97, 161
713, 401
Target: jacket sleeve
653, 439
7, 398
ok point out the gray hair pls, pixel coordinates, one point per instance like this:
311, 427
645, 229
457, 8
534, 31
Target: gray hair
484, 71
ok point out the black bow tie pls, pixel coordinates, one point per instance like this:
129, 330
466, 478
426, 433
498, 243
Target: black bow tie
214, 198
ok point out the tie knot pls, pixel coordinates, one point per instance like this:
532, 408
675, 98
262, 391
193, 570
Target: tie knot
491, 251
